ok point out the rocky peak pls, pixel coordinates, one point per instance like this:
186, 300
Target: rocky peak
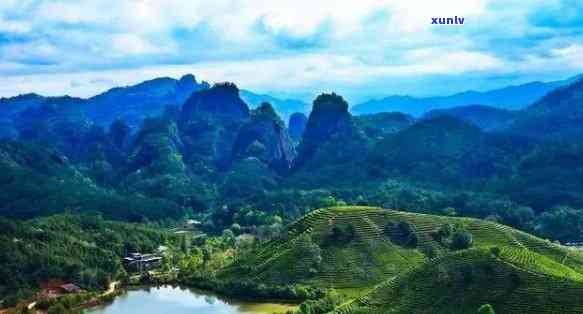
220, 101
265, 138
329, 116
266, 112
187, 79
157, 147
329, 119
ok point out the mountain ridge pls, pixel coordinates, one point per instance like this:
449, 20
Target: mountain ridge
509, 97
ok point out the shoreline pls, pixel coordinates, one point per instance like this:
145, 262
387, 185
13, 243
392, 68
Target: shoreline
289, 305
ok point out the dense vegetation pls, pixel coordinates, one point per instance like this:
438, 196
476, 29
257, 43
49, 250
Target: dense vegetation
84, 249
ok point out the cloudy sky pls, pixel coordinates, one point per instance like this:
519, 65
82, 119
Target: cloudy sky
360, 48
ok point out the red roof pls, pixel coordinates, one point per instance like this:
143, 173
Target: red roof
69, 287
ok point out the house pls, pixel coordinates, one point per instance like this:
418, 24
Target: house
69, 288
191, 224
139, 262
56, 288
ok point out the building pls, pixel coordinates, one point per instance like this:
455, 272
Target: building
575, 245
56, 288
69, 288
191, 224
138, 262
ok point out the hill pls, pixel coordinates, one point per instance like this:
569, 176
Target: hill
385, 261
557, 116
380, 124
511, 97
446, 150
39, 181
485, 117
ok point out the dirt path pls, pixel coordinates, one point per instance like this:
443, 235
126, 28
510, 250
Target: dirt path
111, 288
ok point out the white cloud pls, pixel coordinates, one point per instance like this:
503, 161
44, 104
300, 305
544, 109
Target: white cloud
363, 42
132, 44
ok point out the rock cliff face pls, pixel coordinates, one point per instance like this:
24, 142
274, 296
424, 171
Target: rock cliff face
265, 137
328, 120
297, 125
157, 148
209, 124
222, 101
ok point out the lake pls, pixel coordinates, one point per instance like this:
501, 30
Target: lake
177, 300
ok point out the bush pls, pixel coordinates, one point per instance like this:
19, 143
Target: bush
404, 234
495, 251
486, 309
341, 234
462, 240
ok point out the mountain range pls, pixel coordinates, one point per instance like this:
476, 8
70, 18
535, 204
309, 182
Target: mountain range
510, 98
131, 103
215, 150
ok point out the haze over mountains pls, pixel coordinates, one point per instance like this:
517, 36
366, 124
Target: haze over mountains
510, 98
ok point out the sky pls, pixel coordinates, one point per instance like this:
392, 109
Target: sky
360, 49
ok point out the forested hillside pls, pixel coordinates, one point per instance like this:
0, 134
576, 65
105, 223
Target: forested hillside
212, 156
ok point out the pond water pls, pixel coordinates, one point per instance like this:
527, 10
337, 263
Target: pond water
177, 300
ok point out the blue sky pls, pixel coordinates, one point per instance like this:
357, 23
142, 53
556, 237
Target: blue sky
360, 49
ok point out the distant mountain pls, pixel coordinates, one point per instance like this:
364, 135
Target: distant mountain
511, 97
284, 107
10, 107
149, 98
558, 115
485, 117
132, 104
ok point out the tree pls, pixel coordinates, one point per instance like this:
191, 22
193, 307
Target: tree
341, 234
310, 254
403, 233
561, 223
520, 217
57, 309
486, 309
206, 256
119, 132
185, 244
462, 240
445, 231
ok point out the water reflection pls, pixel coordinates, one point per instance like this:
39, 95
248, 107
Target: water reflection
177, 300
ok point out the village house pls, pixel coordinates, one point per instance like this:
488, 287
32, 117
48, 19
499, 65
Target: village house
55, 288
138, 262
